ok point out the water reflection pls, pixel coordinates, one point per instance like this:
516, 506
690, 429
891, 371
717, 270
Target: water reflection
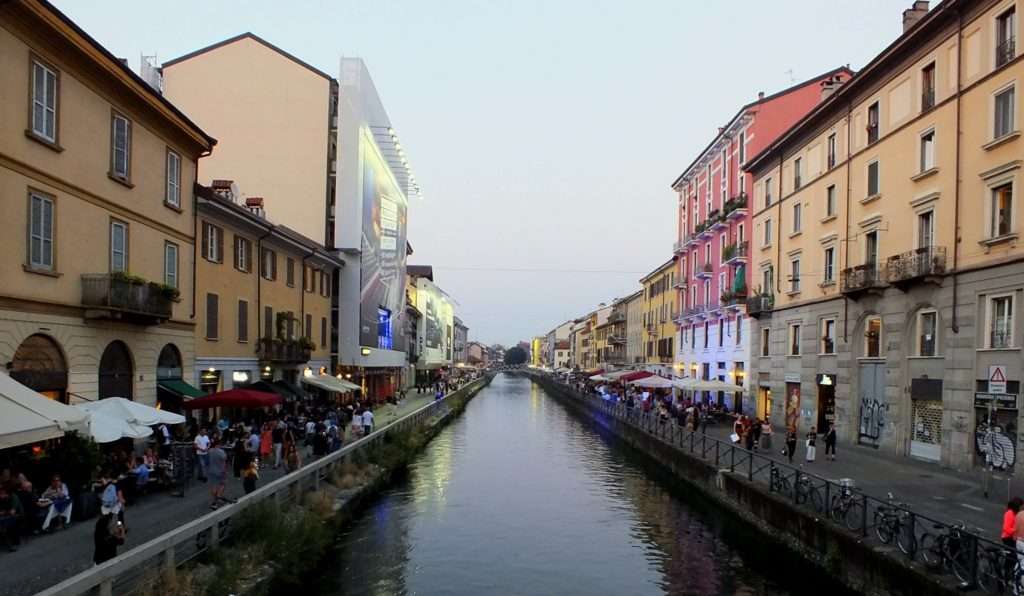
523, 498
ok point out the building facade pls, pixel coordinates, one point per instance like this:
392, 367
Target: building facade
96, 172
459, 341
659, 313
713, 246
886, 227
265, 295
635, 328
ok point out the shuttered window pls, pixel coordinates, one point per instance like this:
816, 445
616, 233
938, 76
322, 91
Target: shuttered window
243, 321
268, 321
212, 316
309, 326
323, 332
213, 243
291, 272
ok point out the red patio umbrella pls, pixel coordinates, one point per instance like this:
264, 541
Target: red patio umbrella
640, 374
234, 398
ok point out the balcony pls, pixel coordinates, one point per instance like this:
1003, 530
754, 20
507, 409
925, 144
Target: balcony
759, 305
736, 253
616, 340
617, 317
716, 221
734, 300
702, 230
705, 270
122, 297
689, 240
283, 351
736, 207
698, 311
680, 284
862, 279
678, 247
926, 264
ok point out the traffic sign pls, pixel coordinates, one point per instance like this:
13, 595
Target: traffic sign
997, 379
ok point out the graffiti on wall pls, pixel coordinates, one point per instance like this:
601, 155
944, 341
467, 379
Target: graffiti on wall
872, 418
996, 445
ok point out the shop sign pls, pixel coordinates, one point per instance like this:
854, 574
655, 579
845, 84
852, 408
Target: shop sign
792, 377
997, 379
826, 380
1003, 401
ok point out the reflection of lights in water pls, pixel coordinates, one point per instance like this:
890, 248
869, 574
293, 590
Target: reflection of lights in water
434, 471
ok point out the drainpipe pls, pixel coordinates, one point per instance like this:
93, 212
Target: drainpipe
778, 236
195, 230
956, 181
846, 253
259, 283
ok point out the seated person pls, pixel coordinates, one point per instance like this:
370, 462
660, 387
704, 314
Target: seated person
10, 516
31, 513
141, 473
149, 458
57, 501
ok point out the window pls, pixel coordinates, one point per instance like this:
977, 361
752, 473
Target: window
707, 293
767, 241
766, 341
743, 149
767, 192
831, 153
873, 123
268, 265
926, 229
794, 339
871, 248
1004, 108
873, 337
120, 147
45, 86
171, 264
243, 321
830, 201
40, 232
828, 336
928, 87
767, 279
873, 179
794, 279
268, 322
243, 254
1006, 36
721, 332
739, 329
212, 323
213, 243
118, 246
173, 197
325, 284
722, 288
309, 326
707, 332
290, 270
707, 254
927, 327
829, 275
323, 332
796, 217
797, 172
1001, 322
927, 151
1002, 210
693, 337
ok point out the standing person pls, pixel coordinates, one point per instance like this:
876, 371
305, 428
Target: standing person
252, 444
277, 436
748, 437
201, 444
756, 430
1010, 521
292, 459
165, 442
249, 477
790, 443
266, 444
812, 437
107, 536
239, 454
367, 421
218, 473
830, 442
10, 518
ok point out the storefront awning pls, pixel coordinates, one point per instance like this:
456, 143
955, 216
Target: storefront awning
330, 383
179, 387
29, 417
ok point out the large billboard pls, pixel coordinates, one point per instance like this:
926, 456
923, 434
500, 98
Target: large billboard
382, 276
436, 324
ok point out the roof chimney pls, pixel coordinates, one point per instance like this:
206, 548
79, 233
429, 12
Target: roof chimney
760, 95
225, 189
830, 85
255, 204
914, 14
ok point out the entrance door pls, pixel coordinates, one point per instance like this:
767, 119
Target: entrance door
926, 409
826, 406
766, 403
873, 406
116, 371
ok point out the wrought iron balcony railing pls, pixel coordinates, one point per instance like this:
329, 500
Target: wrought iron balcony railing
862, 278
113, 296
269, 349
916, 264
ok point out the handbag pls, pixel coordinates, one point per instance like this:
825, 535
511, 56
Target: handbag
735, 438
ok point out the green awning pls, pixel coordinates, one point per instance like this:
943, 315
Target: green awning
181, 388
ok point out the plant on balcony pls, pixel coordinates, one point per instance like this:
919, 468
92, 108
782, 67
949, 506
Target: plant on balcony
306, 344
707, 268
125, 277
169, 292
700, 227
728, 252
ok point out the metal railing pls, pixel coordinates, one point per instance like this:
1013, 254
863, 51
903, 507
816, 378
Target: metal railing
977, 563
108, 291
862, 277
281, 350
759, 304
1006, 51
922, 262
123, 573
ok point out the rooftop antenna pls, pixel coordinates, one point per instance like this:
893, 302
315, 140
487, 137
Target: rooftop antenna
789, 73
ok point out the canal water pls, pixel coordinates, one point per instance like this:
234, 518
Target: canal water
518, 496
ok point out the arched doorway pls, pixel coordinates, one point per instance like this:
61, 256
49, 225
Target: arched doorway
168, 364
116, 371
39, 364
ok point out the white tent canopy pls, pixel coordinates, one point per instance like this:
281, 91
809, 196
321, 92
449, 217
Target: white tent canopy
29, 417
131, 412
714, 385
330, 383
105, 427
653, 382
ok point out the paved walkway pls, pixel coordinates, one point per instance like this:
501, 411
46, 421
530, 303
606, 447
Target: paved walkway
50, 558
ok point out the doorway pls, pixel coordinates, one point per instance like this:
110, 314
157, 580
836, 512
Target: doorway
926, 410
116, 371
826, 401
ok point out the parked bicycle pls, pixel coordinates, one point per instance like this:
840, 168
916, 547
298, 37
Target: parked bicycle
948, 551
1000, 571
779, 483
892, 521
846, 508
808, 492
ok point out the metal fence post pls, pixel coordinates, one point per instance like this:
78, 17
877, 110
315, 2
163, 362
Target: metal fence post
716, 454
828, 499
732, 458
750, 468
771, 475
864, 516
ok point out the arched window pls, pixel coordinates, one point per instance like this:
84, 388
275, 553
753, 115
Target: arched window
116, 371
39, 364
168, 364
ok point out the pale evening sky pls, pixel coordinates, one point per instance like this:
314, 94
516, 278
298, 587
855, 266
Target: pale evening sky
545, 134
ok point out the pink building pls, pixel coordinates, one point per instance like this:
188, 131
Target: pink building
714, 275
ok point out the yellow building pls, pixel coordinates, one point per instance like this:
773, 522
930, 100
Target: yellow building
659, 312
536, 353
886, 244
264, 295
96, 172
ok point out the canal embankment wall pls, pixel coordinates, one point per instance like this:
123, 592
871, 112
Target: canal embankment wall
768, 519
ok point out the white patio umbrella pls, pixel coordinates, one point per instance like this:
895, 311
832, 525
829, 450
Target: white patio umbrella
132, 412
684, 383
653, 382
106, 428
598, 378
715, 385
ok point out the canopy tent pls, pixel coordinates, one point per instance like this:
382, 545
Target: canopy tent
287, 391
179, 387
131, 412
330, 383
598, 378
684, 383
107, 427
634, 375
714, 385
235, 398
652, 382
29, 417
590, 373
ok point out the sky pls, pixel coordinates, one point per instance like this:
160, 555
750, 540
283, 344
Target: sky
545, 134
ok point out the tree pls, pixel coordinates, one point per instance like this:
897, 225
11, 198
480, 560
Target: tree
515, 355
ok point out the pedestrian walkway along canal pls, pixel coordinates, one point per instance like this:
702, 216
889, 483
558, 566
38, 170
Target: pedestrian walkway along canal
519, 496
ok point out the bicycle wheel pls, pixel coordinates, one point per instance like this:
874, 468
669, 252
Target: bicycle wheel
931, 551
883, 527
817, 499
960, 561
991, 571
835, 508
854, 516
905, 539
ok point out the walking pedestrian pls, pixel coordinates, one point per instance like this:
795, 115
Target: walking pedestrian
107, 536
218, 473
266, 444
790, 443
292, 459
1009, 521
201, 445
367, 421
830, 442
249, 477
756, 430
812, 436
277, 436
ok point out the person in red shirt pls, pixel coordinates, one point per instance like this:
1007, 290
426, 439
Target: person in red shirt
1009, 521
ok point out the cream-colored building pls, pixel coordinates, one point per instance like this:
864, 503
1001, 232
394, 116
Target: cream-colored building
886, 246
96, 173
264, 296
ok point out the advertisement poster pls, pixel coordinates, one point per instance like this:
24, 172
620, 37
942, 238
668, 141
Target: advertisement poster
437, 322
382, 291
